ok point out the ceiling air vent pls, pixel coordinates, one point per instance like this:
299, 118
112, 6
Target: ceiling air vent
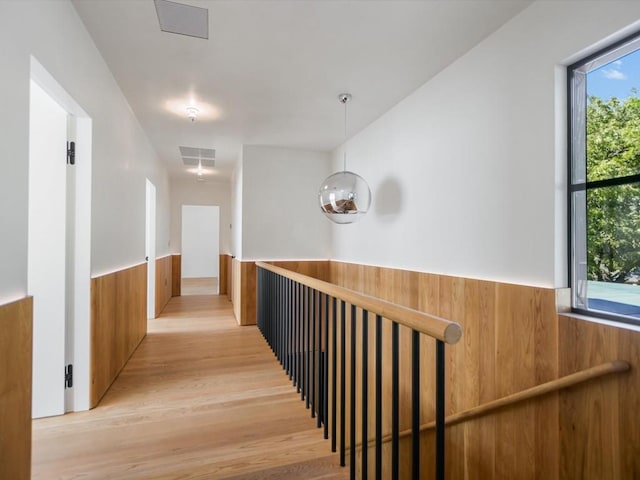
183, 19
192, 156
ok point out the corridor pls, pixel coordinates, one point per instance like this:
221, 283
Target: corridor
201, 398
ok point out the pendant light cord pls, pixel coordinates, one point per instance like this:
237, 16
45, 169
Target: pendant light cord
344, 154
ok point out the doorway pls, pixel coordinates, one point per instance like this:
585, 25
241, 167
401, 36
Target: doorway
200, 249
59, 244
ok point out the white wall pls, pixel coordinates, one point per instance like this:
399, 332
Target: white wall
122, 156
236, 209
468, 172
185, 192
281, 217
200, 241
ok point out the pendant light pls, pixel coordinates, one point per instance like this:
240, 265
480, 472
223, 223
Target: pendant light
344, 196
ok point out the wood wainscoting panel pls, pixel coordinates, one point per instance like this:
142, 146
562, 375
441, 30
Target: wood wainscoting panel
244, 292
229, 261
16, 345
513, 339
118, 324
223, 277
164, 282
599, 426
244, 283
313, 268
176, 274
236, 289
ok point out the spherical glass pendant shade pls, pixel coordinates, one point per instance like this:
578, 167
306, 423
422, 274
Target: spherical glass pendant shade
344, 197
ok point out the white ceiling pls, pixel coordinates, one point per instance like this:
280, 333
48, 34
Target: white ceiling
271, 71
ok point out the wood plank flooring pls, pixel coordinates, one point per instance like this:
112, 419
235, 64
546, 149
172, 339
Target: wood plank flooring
199, 286
201, 398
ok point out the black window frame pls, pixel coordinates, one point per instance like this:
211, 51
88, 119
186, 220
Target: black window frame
603, 56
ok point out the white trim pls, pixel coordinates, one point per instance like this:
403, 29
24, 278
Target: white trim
116, 270
82, 291
601, 321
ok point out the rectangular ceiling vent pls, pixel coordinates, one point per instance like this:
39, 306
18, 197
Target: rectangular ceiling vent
183, 19
192, 156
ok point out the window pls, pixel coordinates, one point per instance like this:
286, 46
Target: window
604, 182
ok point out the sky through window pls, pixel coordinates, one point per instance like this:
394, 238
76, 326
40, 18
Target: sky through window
616, 79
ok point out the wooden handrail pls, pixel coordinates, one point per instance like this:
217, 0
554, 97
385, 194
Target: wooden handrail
561, 383
436, 327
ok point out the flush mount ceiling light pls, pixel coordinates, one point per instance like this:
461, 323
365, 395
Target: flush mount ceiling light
192, 113
344, 196
183, 19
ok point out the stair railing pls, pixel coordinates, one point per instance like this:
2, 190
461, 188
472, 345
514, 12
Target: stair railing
304, 321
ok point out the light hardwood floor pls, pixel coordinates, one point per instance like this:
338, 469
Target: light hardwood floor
201, 398
199, 286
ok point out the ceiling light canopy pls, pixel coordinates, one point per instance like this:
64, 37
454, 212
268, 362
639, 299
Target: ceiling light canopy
204, 111
192, 113
344, 196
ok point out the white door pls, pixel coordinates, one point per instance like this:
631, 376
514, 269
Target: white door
47, 250
151, 249
200, 241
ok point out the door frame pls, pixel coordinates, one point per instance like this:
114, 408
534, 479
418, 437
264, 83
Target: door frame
79, 324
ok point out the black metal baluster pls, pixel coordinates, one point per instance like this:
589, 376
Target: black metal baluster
320, 411
325, 378
289, 304
378, 397
334, 371
294, 333
298, 333
395, 412
285, 319
364, 455
343, 383
276, 322
292, 330
308, 353
280, 304
264, 303
287, 325
299, 336
320, 408
440, 366
263, 290
270, 312
313, 354
265, 332
274, 315
303, 342
415, 404
352, 393
281, 323
268, 326
260, 299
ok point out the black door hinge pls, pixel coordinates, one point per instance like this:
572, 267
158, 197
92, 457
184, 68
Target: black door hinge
71, 153
68, 376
